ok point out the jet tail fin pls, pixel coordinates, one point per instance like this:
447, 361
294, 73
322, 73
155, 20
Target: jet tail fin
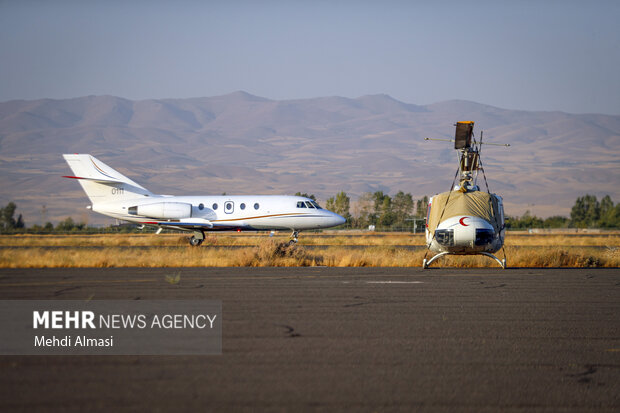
102, 183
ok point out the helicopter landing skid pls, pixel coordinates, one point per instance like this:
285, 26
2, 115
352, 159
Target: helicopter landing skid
426, 264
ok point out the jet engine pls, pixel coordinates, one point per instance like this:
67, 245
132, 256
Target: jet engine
163, 210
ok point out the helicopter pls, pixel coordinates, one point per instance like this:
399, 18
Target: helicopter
465, 220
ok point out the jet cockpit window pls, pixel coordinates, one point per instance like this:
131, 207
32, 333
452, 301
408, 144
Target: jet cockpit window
301, 204
316, 205
309, 204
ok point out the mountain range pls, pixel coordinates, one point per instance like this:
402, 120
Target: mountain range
244, 144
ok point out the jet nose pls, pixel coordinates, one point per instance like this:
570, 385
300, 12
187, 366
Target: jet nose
337, 219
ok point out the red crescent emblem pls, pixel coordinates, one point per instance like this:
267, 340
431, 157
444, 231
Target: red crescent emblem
462, 223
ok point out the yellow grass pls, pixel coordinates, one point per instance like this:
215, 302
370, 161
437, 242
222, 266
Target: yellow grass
267, 254
273, 253
364, 238
573, 240
516, 257
222, 239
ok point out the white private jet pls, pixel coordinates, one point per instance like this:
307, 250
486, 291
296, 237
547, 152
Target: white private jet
114, 195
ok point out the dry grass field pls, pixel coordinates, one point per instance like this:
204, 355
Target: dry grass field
338, 249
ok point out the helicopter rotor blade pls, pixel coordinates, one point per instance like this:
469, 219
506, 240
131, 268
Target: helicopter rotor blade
443, 140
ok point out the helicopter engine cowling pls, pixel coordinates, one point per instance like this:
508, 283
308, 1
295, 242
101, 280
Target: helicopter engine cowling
165, 210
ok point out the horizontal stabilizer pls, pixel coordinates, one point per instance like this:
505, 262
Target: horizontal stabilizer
100, 180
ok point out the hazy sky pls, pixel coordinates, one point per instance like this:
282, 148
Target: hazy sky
534, 55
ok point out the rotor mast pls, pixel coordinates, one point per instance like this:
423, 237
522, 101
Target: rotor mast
468, 153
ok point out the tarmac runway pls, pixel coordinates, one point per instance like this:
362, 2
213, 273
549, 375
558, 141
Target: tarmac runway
335, 339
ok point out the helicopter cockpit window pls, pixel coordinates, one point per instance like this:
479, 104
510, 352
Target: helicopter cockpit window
484, 236
445, 237
301, 204
316, 205
309, 204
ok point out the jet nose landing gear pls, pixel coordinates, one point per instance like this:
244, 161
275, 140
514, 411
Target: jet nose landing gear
293, 240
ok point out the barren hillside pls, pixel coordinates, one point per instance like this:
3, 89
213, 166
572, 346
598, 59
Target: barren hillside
240, 143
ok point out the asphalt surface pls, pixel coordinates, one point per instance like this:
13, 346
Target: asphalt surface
334, 339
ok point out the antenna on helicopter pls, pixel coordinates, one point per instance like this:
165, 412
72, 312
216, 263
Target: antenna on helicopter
479, 143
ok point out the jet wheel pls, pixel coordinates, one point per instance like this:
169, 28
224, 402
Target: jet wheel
194, 242
293, 240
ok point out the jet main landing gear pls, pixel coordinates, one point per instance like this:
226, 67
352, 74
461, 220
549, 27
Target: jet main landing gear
197, 239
